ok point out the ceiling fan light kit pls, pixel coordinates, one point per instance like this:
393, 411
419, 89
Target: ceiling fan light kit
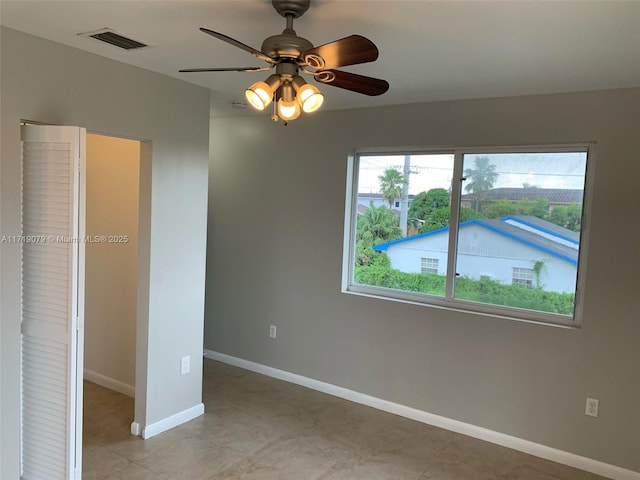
291, 55
288, 109
260, 94
309, 96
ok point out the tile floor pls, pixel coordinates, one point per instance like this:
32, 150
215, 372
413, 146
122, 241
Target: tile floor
259, 428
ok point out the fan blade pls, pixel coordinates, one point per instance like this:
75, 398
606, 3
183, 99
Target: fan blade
228, 69
346, 51
351, 81
236, 43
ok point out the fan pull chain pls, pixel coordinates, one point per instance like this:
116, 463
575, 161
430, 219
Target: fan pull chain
274, 117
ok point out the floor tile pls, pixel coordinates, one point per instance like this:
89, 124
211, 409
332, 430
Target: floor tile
260, 428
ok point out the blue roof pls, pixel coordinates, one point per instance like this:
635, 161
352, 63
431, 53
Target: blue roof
526, 237
546, 227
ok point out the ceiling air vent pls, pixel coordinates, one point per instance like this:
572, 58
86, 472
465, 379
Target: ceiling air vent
107, 35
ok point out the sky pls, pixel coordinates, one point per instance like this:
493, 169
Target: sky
544, 170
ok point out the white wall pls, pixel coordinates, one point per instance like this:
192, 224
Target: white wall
111, 267
52, 83
522, 379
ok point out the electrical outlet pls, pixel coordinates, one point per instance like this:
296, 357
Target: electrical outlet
185, 365
592, 407
272, 331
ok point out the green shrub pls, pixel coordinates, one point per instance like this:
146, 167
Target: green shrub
484, 290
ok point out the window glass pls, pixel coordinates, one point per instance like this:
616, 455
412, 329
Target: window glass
522, 276
429, 265
494, 232
402, 196
527, 232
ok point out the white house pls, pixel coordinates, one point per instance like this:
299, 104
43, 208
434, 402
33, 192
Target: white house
507, 249
377, 200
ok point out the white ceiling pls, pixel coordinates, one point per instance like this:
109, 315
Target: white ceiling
429, 50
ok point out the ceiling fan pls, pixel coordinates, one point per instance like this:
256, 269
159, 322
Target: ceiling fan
291, 55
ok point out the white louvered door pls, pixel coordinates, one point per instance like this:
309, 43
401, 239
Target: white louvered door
53, 165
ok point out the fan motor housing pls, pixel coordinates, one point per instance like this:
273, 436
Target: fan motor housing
287, 45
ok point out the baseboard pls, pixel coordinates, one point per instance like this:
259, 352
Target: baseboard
515, 443
110, 383
171, 422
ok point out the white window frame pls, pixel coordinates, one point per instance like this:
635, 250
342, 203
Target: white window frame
448, 302
522, 276
429, 265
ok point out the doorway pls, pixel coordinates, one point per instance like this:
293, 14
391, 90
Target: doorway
111, 261
111, 286
54, 204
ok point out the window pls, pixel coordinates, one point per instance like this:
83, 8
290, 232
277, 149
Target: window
467, 217
428, 265
523, 276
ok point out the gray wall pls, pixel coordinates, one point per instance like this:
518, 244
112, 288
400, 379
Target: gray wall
276, 213
49, 82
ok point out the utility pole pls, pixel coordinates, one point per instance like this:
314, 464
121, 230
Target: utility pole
404, 203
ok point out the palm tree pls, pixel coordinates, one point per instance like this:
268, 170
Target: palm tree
391, 183
377, 225
481, 179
